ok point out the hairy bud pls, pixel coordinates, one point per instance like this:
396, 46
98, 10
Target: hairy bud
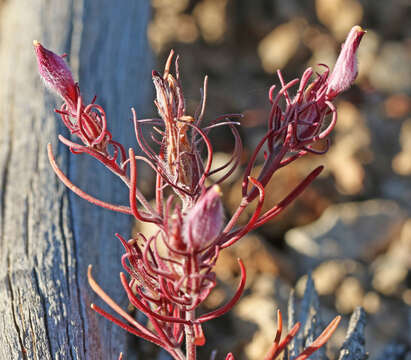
56, 74
346, 68
204, 221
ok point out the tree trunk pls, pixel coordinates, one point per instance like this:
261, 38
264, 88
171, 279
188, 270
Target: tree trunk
48, 236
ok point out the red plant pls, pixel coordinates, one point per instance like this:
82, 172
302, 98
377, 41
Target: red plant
171, 272
279, 346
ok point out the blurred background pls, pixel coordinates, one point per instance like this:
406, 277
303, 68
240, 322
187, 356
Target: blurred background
352, 227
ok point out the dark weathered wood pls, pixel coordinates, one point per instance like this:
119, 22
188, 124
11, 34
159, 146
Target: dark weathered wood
308, 315
353, 347
310, 319
47, 235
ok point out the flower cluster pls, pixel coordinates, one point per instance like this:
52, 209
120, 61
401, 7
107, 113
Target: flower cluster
171, 272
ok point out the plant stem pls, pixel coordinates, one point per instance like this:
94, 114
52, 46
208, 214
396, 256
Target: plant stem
236, 215
191, 353
177, 354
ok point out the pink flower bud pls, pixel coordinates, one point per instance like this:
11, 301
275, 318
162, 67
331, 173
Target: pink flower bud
205, 220
56, 74
345, 69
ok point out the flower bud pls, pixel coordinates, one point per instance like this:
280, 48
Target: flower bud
346, 68
205, 220
56, 74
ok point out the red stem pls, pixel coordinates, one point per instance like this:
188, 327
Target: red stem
221, 311
253, 219
81, 193
321, 340
133, 191
110, 302
287, 200
126, 327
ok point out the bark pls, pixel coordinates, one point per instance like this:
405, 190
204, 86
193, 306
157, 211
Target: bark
48, 236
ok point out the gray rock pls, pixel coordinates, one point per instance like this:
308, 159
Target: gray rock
395, 352
351, 230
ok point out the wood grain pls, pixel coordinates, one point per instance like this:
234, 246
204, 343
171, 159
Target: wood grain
48, 236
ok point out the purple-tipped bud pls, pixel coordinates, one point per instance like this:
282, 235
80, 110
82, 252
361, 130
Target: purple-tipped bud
346, 68
205, 220
56, 74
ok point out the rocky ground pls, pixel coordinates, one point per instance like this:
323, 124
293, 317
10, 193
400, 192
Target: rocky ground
352, 228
